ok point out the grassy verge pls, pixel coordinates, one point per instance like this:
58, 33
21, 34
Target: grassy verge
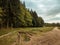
39, 29
5, 31
11, 38
8, 40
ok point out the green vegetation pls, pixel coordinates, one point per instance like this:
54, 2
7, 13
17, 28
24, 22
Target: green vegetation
17, 15
41, 29
37, 29
52, 24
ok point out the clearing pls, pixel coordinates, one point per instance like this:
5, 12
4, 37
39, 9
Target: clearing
49, 38
37, 36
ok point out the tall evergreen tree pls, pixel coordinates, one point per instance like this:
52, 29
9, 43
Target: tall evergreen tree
10, 12
15, 14
40, 21
35, 17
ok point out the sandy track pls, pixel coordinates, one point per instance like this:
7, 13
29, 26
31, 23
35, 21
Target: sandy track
49, 38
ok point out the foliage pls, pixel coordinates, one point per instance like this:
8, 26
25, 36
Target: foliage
37, 21
52, 24
17, 15
41, 22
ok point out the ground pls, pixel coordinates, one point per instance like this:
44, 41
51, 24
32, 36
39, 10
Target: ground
51, 37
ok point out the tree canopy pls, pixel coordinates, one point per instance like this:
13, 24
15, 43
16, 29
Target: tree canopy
13, 13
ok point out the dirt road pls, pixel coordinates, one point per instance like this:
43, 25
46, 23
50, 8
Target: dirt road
49, 38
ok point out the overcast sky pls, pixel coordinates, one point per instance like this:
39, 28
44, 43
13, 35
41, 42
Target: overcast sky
49, 10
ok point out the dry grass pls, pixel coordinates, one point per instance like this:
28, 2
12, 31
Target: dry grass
11, 38
49, 38
8, 40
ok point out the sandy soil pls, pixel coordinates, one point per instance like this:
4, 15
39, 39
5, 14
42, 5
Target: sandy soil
49, 38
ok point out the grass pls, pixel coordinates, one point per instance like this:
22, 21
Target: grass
8, 40
11, 38
36, 30
5, 31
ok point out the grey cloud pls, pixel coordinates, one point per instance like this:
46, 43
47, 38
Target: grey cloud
56, 18
54, 11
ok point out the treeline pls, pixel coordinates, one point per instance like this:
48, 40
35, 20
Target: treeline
13, 13
52, 24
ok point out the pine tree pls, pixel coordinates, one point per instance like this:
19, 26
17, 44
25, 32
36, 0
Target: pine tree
10, 12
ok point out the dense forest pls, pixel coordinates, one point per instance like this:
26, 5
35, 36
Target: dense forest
13, 13
52, 24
